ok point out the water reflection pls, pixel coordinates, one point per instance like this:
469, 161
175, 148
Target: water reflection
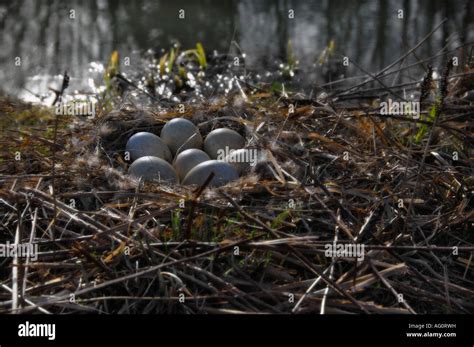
48, 41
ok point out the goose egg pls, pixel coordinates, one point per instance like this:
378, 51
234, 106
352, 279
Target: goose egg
220, 141
153, 168
223, 173
180, 134
144, 144
188, 159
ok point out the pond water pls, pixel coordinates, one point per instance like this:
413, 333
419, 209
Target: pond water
50, 37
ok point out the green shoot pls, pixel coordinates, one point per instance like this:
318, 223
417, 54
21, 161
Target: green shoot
327, 53
113, 69
280, 218
201, 55
423, 128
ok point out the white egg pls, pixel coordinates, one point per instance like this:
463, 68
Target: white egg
220, 141
153, 168
147, 144
223, 173
180, 134
188, 159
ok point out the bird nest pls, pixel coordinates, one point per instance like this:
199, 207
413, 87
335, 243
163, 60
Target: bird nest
339, 176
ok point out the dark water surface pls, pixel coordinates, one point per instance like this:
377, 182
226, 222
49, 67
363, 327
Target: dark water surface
48, 41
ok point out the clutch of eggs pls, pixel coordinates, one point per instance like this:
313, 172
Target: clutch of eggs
181, 139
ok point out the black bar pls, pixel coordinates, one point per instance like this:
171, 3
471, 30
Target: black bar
240, 329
